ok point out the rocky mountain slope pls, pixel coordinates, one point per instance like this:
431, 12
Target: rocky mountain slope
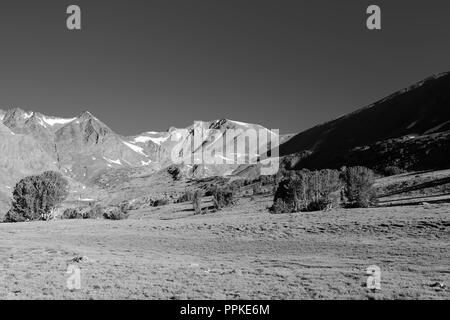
83, 148
408, 128
20, 156
84, 145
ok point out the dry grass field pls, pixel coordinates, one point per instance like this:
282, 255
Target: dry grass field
238, 253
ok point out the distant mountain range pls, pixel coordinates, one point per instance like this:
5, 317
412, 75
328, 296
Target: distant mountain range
83, 147
409, 129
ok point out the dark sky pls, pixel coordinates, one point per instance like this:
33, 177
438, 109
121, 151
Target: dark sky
148, 65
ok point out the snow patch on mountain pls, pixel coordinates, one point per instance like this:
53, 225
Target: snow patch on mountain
224, 158
41, 122
176, 136
135, 148
127, 162
144, 139
411, 125
28, 115
239, 123
113, 161
54, 121
437, 127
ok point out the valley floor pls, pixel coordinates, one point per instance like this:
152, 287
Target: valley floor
239, 253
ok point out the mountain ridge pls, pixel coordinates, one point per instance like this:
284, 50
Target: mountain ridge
84, 146
416, 110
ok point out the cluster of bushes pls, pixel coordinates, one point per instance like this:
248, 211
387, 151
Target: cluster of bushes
160, 202
35, 197
223, 191
97, 212
72, 213
210, 184
115, 214
358, 187
306, 190
260, 181
392, 171
223, 197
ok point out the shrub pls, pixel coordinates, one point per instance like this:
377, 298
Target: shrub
34, 197
14, 216
267, 180
125, 207
115, 214
359, 191
175, 172
197, 201
186, 197
306, 191
71, 213
392, 171
285, 197
280, 206
319, 204
223, 197
160, 202
256, 188
94, 213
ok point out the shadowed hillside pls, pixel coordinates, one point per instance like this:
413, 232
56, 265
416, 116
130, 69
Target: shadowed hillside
419, 110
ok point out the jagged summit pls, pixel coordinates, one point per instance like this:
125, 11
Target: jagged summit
16, 119
17, 114
86, 128
86, 115
16, 110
